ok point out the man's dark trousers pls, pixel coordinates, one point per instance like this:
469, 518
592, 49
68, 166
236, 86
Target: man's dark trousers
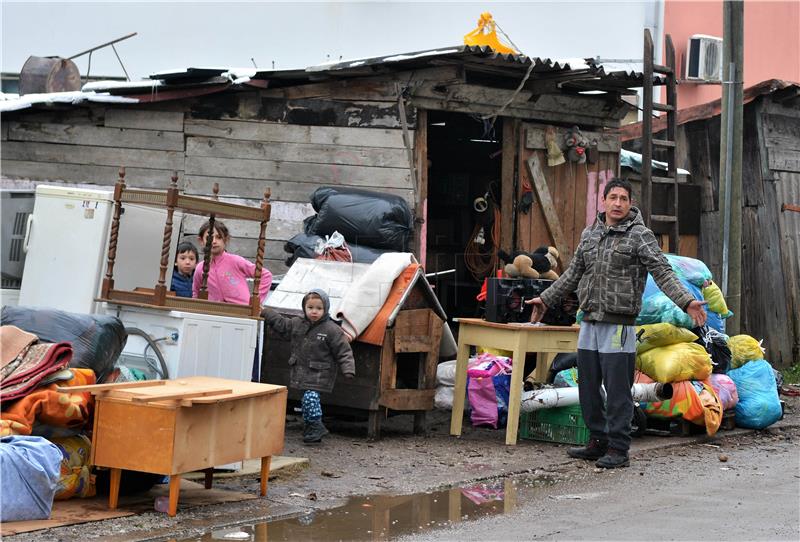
607, 357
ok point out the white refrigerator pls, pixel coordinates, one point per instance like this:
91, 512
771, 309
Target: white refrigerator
66, 245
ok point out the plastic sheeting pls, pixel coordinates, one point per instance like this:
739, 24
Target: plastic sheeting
366, 218
96, 339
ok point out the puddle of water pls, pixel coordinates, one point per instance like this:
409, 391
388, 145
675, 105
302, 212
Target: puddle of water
382, 517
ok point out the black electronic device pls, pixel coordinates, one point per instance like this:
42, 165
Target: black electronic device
505, 302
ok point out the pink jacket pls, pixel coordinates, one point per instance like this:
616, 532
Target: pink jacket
227, 279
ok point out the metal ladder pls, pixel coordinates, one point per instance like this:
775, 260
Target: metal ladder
670, 181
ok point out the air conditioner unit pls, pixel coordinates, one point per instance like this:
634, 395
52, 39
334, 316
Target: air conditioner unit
704, 59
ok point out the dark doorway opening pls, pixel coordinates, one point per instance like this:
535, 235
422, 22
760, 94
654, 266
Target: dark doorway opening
464, 161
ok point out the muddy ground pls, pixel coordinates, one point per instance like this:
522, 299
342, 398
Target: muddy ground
346, 465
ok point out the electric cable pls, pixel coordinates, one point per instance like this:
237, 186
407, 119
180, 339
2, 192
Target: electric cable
151, 343
483, 264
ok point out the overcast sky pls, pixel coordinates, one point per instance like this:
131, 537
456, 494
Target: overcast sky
299, 34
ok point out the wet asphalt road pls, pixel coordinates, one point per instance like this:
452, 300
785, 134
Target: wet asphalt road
676, 494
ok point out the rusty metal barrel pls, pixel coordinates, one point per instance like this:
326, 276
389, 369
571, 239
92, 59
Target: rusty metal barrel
42, 74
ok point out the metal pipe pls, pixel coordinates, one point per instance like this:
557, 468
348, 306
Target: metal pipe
726, 208
104, 45
559, 397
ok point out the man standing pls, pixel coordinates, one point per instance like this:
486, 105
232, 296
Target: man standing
609, 272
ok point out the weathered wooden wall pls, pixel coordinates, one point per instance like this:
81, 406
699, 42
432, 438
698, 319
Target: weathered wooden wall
576, 189
770, 235
249, 141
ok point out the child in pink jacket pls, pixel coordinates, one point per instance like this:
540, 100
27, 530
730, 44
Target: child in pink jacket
227, 278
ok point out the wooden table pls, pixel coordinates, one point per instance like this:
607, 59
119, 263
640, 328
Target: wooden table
172, 427
520, 339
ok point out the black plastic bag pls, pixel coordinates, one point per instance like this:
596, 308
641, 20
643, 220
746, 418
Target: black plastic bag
717, 347
302, 246
363, 217
97, 339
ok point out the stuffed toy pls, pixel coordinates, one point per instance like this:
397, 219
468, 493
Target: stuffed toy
576, 145
538, 264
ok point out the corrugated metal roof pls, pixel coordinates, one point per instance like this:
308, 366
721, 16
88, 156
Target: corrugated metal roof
579, 75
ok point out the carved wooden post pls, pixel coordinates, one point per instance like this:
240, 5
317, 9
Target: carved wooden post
119, 188
172, 200
255, 299
203, 293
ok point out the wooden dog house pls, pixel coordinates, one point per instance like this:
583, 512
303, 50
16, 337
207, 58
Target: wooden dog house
396, 358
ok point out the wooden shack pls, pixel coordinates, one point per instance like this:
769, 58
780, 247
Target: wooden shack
396, 356
440, 128
770, 306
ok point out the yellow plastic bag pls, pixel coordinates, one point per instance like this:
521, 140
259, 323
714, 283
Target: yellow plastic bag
675, 362
716, 301
744, 348
485, 34
651, 336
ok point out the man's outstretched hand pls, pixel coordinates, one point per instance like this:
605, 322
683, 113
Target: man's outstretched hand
539, 308
696, 309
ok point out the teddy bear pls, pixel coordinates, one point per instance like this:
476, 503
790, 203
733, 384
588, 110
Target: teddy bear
538, 264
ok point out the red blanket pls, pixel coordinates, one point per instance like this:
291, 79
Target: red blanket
24, 373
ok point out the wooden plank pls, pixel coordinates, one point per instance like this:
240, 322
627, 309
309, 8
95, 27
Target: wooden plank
273, 131
94, 156
332, 174
77, 134
779, 160
388, 363
83, 173
324, 112
276, 229
605, 142
367, 88
527, 113
407, 399
412, 322
288, 191
413, 343
99, 388
546, 202
4, 131
507, 178
296, 152
421, 201
144, 119
782, 131
470, 93
179, 395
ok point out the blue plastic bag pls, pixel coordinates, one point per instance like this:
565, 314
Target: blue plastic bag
30, 468
759, 405
657, 307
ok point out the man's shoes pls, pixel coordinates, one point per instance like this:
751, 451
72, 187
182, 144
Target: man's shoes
614, 459
593, 450
313, 432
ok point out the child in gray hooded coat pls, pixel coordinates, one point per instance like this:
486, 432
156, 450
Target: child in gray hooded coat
319, 350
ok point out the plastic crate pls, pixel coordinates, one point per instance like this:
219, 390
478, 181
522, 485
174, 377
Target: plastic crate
563, 425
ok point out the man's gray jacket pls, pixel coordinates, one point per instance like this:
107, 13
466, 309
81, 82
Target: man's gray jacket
610, 269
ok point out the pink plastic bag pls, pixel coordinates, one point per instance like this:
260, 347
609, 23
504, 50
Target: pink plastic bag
481, 388
726, 390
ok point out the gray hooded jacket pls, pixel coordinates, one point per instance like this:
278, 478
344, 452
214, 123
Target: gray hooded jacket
319, 349
609, 271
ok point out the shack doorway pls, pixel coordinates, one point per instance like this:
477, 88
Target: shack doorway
464, 181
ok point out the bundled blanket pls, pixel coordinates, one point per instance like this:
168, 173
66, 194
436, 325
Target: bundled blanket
34, 361
49, 407
366, 296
